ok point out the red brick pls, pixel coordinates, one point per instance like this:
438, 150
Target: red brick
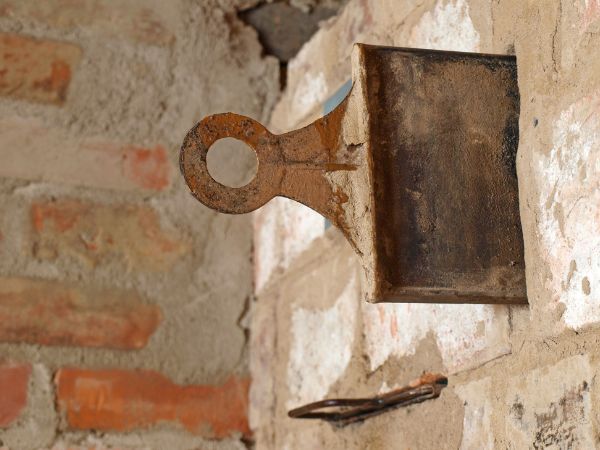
120, 400
54, 313
148, 22
99, 233
89, 161
13, 391
37, 70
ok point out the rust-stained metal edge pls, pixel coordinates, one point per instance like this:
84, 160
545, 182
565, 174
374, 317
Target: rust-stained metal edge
345, 411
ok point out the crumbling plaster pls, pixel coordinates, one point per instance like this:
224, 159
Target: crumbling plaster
520, 376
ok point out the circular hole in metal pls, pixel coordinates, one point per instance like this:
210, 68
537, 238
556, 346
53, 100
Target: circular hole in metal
231, 162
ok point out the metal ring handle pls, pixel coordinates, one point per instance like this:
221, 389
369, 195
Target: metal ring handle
192, 161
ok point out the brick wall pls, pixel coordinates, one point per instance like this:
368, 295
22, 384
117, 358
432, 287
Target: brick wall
520, 376
121, 325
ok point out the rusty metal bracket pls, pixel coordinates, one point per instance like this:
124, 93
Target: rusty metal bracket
342, 411
417, 167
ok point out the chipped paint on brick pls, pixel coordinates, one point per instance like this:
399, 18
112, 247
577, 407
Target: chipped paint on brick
301, 225
322, 342
466, 335
447, 27
551, 407
283, 230
53, 313
569, 219
591, 14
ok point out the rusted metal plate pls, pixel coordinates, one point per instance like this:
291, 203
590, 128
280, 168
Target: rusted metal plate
416, 167
444, 129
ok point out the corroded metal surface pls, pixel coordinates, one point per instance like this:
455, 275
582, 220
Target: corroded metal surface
446, 134
416, 167
344, 411
291, 165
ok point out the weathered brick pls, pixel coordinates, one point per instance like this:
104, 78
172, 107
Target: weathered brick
146, 167
54, 313
95, 162
551, 407
98, 233
122, 400
37, 70
14, 379
149, 22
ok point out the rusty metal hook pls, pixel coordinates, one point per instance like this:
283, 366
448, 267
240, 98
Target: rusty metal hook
428, 386
292, 165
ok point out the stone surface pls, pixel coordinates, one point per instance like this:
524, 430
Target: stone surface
263, 334
54, 313
33, 151
37, 70
466, 335
447, 27
123, 401
477, 431
283, 29
283, 230
98, 234
322, 344
569, 224
14, 380
551, 407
